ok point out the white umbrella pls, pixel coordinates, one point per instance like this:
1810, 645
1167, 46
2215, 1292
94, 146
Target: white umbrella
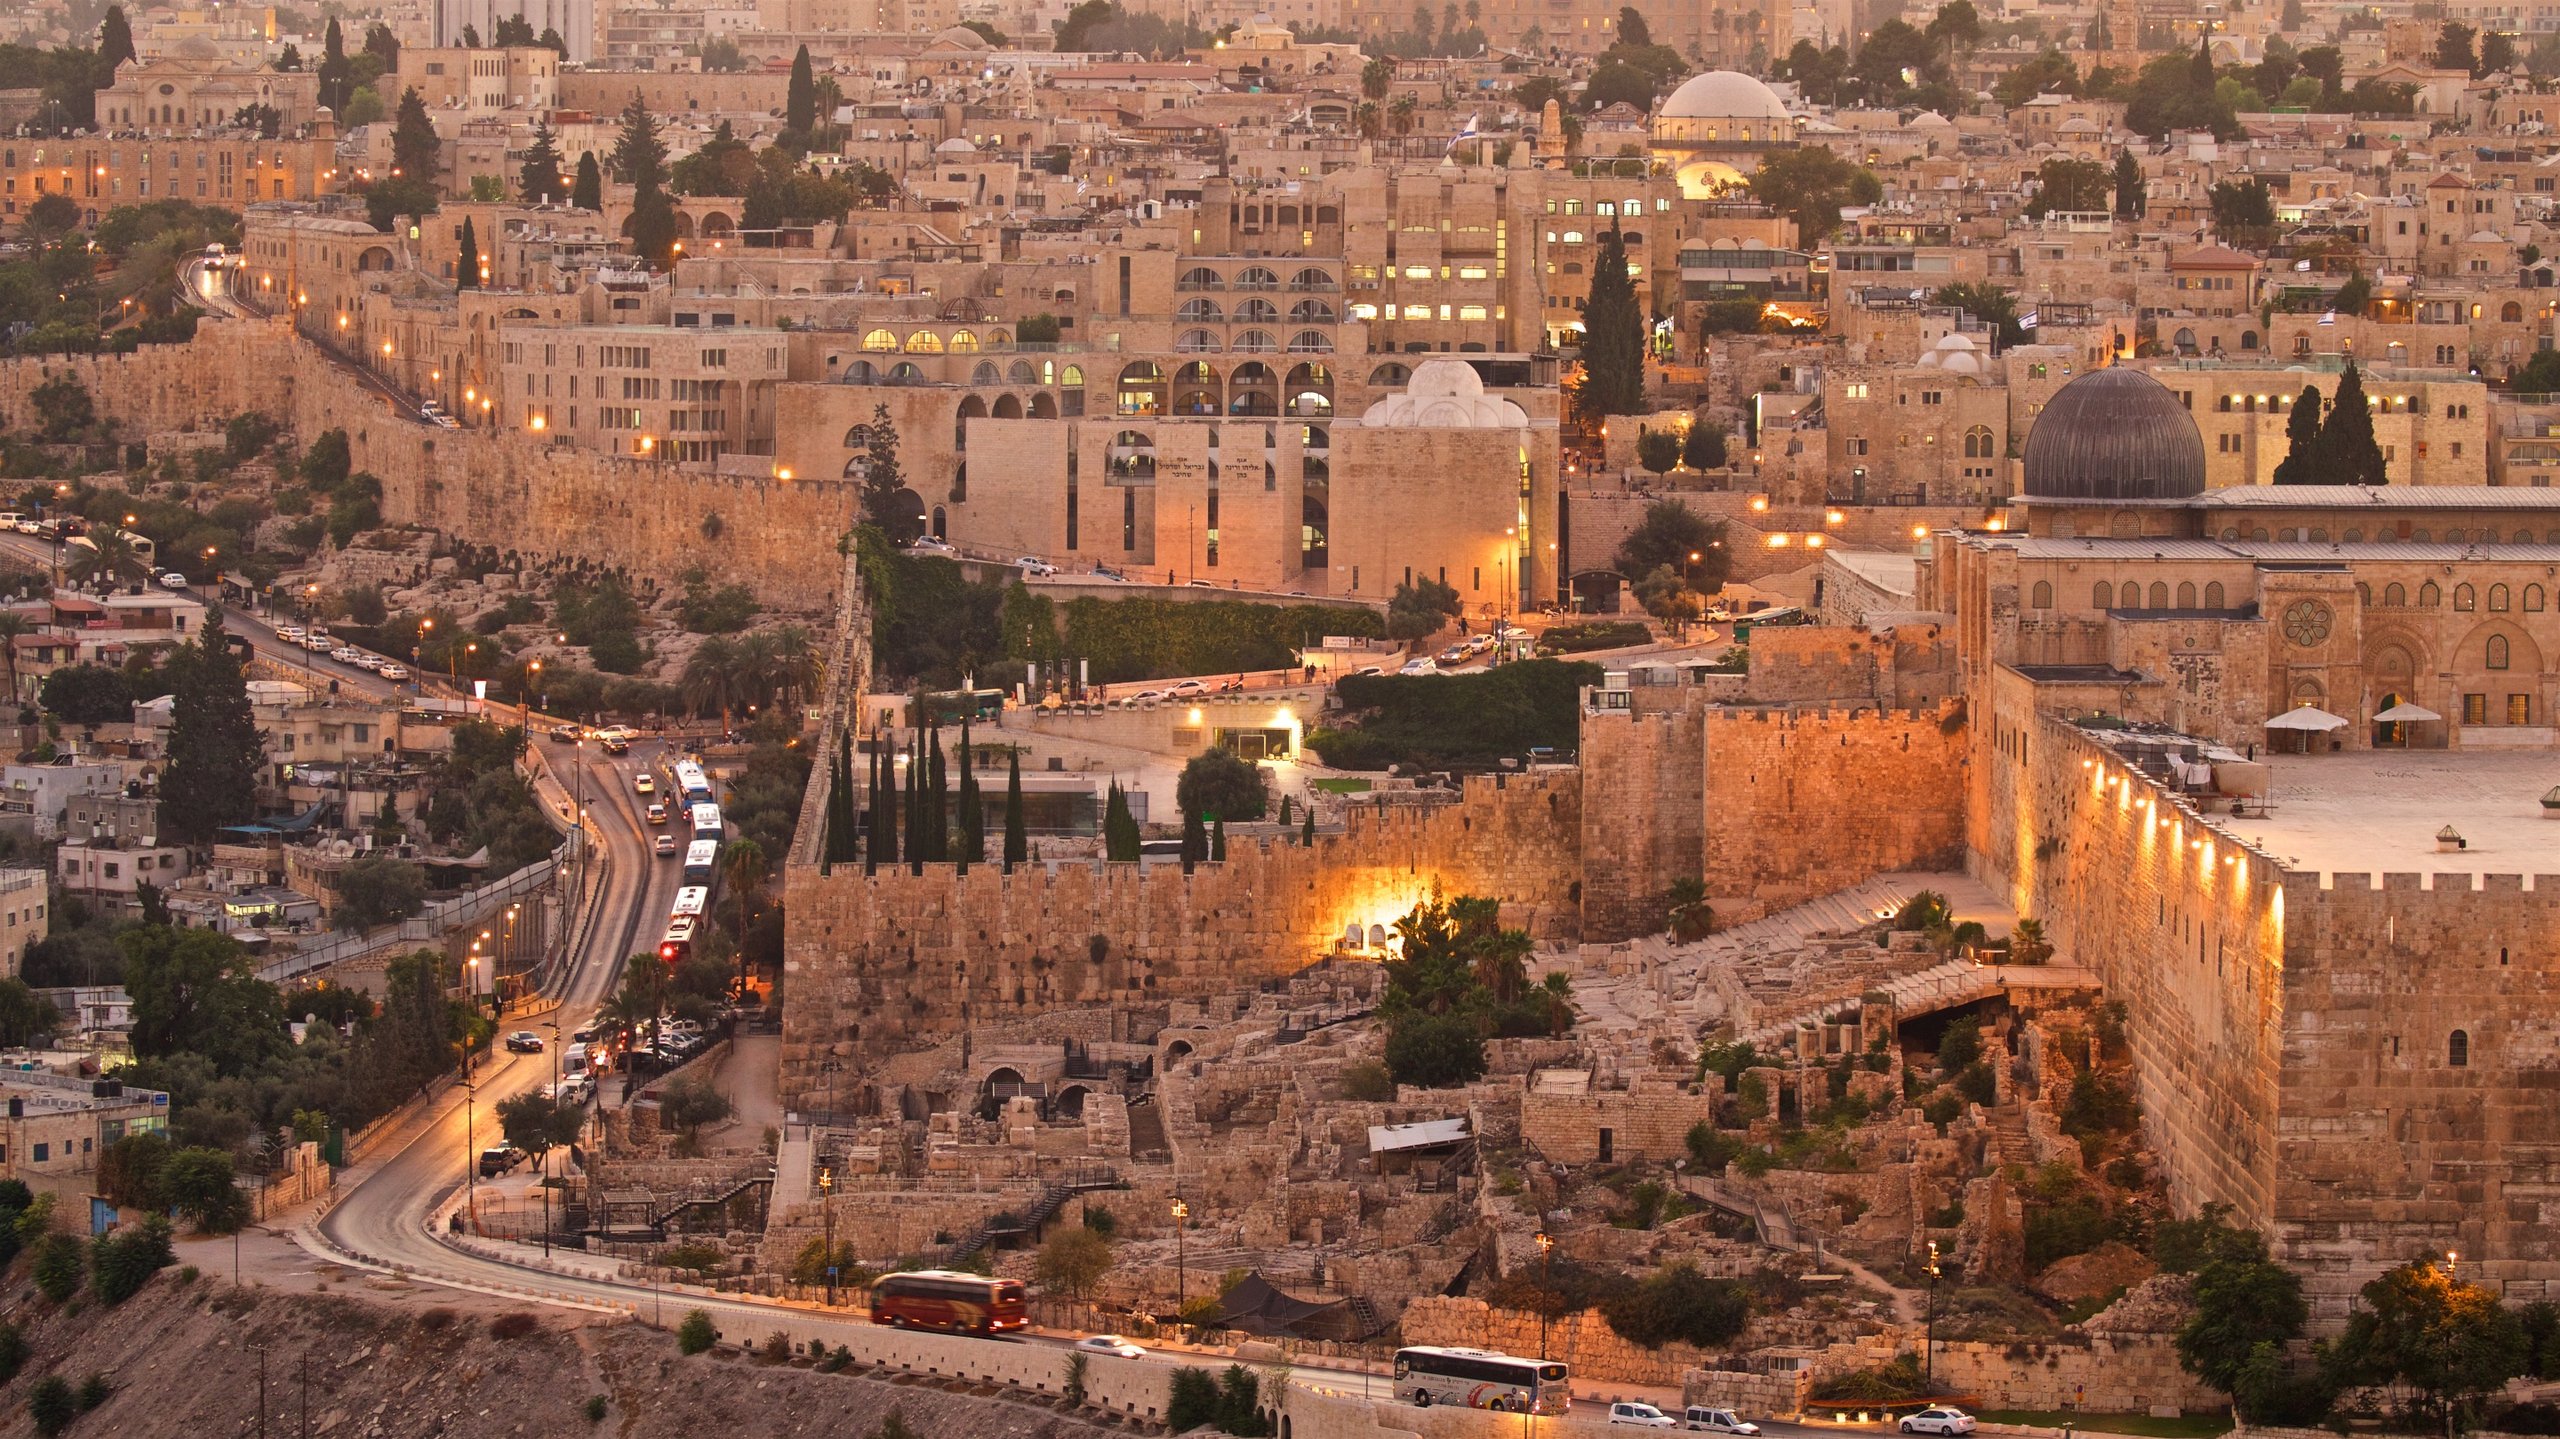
2308, 718
2406, 713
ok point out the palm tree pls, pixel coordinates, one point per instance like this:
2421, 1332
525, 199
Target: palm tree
796, 668
636, 1003
107, 554
711, 679
746, 866
755, 665
12, 626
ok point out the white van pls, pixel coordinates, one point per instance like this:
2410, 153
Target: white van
1716, 1421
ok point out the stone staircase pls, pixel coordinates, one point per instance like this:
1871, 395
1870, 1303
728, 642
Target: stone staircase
1042, 1210
1147, 1141
2008, 1140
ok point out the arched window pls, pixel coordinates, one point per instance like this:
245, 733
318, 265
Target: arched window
2457, 1049
2102, 596
2395, 596
2159, 595
1977, 443
2455, 535
880, 342
2465, 597
1257, 278
964, 342
1311, 280
2186, 594
2497, 599
986, 374
2510, 312
1257, 312
2042, 596
924, 342
2354, 536
1195, 342
1311, 312
2213, 595
1200, 279
2429, 597
1311, 342
1021, 372
2533, 599
1200, 312
1255, 342
2496, 656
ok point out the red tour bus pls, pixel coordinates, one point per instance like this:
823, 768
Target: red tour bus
950, 1302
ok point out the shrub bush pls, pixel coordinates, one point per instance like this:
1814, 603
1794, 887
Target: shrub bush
13, 1352
1194, 1400
597, 1406
1474, 718
514, 1324
58, 1267
94, 1391
1368, 1082
695, 1334
1679, 1303
122, 1262
52, 1405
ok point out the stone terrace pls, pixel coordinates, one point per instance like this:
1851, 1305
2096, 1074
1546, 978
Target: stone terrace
2377, 811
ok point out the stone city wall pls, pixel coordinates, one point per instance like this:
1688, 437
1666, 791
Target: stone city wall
1807, 802
508, 491
1642, 826
2392, 1137
2185, 928
2101, 1373
895, 961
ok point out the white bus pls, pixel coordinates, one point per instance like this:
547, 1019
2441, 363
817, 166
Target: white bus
1482, 1379
706, 821
691, 784
691, 903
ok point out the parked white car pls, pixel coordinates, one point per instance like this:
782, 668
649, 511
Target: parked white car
1034, 565
395, 672
1700, 1419
1640, 1416
1109, 1344
172, 580
1940, 1420
931, 545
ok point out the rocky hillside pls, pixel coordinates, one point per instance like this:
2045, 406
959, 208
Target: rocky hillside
183, 1359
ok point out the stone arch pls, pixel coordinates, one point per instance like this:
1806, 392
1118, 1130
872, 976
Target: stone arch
2159, 598
2102, 596
1142, 389
1253, 391
2465, 597
1178, 1050
986, 373
2213, 594
1393, 372
1021, 372
2186, 594
2041, 597
1197, 389
2457, 1049
1044, 406
972, 407
1002, 1074
941, 524
1007, 407
374, 257
2429, 597
1310, 391
1069, 1101
2499, 597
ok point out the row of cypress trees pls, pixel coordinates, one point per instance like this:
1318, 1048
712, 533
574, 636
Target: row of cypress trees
915, 813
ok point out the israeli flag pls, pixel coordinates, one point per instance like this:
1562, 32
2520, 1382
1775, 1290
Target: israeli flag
2027, 321
2330, 318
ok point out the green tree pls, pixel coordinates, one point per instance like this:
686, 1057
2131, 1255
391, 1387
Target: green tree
87, 694
215, 750
129, 1170
884, 507
540, 181
466, 263
1809, 185
2074, 186
115, 41
1120, 836
800, 105
1076, 33
199, 1184
2454, 48
1678, 1304
1703, 447
2445, 1339
1435, 1051
1988, 303
2348, 452
2354, 296
1375, 76
536, 1123
2239, 1303
1419, 607
2050, 73
1658, 450
2244, 211
2132, 192
2497, 53
1613, 338
1072, 1260
640, 161
2301, 462
196, 991
1017, 842
59, 1264
377, 890
414, 146
1220, 784
1632, 29
1668, 536
588, 191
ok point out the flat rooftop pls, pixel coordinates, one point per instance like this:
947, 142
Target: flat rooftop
2377, 811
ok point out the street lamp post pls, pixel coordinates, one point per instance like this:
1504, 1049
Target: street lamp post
470, 1148
827, 1218
1929, 1340
1181, 1256
1546, 1286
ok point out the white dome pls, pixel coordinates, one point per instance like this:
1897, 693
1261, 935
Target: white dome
1723, 95
1445, 395
1955, 354
956, 145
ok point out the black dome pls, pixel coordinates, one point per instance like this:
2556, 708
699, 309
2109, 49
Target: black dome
2114, 434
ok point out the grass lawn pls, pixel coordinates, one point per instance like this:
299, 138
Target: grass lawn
2189, 1426
1340, 786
